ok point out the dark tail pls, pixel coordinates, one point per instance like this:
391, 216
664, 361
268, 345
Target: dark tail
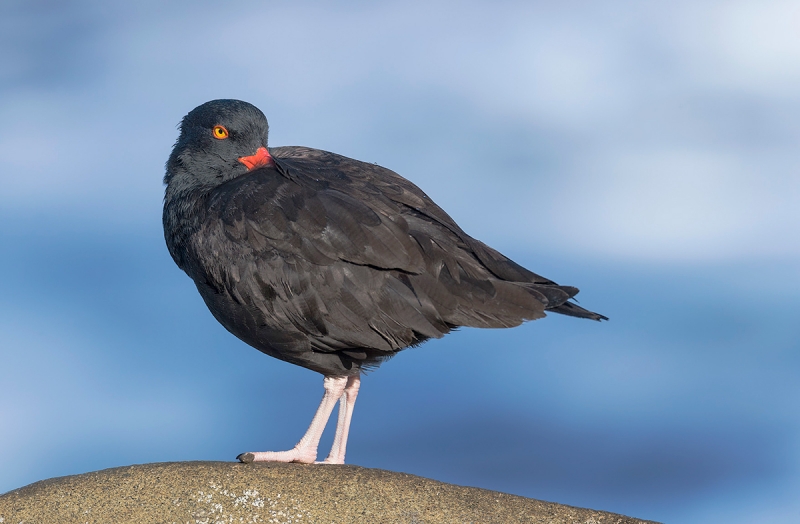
573, 310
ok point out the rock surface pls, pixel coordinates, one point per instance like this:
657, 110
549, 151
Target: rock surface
224, 492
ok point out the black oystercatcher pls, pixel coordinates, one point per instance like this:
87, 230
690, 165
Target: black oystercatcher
327, 262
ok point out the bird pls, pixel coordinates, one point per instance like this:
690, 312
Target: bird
327, 262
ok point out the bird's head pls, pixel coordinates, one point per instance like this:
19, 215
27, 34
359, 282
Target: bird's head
219, 140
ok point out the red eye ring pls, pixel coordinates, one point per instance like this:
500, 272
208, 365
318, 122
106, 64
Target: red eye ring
220, 133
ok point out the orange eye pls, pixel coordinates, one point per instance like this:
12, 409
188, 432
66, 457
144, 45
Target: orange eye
220, 132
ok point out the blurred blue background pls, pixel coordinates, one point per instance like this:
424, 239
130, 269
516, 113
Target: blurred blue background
646, 152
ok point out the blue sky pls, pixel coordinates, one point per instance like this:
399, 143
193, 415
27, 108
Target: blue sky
644, 152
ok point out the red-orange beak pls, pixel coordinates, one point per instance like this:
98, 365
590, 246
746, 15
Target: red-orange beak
262, 158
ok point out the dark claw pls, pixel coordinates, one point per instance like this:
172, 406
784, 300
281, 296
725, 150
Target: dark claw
246, 458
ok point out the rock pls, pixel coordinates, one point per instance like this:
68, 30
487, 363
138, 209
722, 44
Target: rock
224, 492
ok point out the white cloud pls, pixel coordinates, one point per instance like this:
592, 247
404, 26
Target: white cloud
757, 44
678, 204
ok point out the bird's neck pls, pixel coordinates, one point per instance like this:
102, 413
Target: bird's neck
183, 215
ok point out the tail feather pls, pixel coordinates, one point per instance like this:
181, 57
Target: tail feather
573, 310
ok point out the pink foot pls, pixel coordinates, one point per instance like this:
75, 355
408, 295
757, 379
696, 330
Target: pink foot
303, 456
337, 389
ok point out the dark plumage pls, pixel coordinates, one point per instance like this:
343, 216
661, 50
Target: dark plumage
324, 261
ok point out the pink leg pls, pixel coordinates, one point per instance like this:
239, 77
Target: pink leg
346, 405
306, 450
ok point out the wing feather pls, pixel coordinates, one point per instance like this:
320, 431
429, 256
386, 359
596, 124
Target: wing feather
351, 260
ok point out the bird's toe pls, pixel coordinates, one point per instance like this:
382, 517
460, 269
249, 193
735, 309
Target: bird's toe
246, 458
